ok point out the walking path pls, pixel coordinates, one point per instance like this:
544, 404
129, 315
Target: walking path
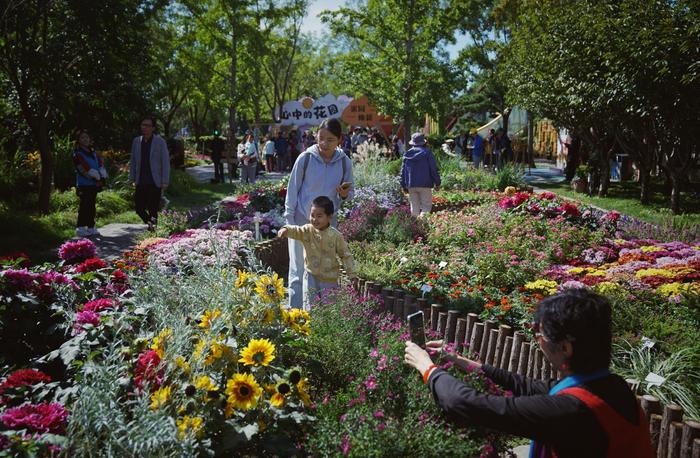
117, 237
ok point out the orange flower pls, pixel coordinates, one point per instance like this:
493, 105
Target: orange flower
447, 272
433, 276
504, 300
506, 308
489, 305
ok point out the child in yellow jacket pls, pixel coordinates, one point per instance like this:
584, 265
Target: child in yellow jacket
323, 245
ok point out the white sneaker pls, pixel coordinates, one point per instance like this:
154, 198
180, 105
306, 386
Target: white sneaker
82, 231
93, 231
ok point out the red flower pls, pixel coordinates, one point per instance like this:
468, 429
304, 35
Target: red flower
17, 255
569, 209
147, 370
23, 377
43, 418
90, 265
118, 276
98, 305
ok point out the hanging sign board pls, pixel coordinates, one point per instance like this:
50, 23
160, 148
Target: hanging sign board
360, 113
310, 112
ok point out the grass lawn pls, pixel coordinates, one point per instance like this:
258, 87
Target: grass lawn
40, 235
624, 197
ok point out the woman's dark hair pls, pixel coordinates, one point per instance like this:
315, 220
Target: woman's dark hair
77, 133
325, 203
333, 126
583, 318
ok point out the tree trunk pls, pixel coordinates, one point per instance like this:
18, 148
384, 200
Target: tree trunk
232, 107
41, 136
676, 191
408, 83
644, 183
604, 172
531, 139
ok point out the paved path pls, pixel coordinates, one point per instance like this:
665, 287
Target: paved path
544, 174
205, 173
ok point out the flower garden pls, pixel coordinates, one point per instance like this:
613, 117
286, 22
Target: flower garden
184, 346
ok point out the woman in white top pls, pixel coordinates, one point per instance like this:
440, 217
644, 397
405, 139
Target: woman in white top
249, 161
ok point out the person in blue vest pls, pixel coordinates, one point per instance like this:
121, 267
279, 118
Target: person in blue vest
90, 176
590, 412
149, 170
322, 170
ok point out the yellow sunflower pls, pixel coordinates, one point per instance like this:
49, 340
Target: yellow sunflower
301, 391
217, 351
242, 392
259, 352
270, 288
189, 425
182, 364
242, 279
208, 317
297, 320
158, 344
203, 382
160, 397
281, 391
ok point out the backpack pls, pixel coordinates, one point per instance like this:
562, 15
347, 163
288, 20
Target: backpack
306, 164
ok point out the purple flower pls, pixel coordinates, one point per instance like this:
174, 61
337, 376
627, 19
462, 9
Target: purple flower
379, 414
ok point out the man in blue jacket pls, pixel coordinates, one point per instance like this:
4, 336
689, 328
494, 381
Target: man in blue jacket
149, 169
419, 175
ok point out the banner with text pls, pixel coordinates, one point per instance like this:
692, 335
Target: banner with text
308, 111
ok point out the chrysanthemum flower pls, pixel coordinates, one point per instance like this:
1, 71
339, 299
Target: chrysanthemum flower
242, 392
259, 352
270, 288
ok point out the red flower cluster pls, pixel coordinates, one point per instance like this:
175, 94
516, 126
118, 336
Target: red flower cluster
569, 209
90, 265
42, 418
15, 256
23, 377
147, 370
98, 305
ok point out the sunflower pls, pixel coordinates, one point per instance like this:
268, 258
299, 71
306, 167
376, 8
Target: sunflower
189, 424
281, 390
270, 288
242, 392
208, 317
303, 395
182, 364
160, 397
217, 351
203, 382
242, 279
298, 320
158, 344
259, 352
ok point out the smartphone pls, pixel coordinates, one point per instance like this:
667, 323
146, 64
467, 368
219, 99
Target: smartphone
346, 185
416, 327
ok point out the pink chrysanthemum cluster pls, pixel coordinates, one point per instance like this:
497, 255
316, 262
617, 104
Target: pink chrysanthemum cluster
90, 265
21, 378
77, 251
85, 317
42, 418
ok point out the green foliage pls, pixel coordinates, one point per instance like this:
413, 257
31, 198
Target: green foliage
64, 169
680, 369
181, 183
509, 175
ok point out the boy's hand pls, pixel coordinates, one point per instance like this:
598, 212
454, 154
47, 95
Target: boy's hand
282, 233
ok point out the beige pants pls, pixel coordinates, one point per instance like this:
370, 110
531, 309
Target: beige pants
421, 200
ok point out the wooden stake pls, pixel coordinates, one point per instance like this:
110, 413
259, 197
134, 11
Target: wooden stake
518, 340
483, 350
672, 413
476, 339
691, 432
451, 326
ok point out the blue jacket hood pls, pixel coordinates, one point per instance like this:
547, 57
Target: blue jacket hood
418, 169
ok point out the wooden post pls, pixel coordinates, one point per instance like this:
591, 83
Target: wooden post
531, 362
696, 449
518, 339
451, 326
398, 308
507, 348
471, 319
537, 370
655, 430
691, 432
672, 413
674, 439
409, 304
375, 289
398, 292
460, 334
368, 285
442, 324
435, 310
389, 304
488, 326
491, 350
650, 405
546, 373
386, 292
524, 358
503, 331
476, 339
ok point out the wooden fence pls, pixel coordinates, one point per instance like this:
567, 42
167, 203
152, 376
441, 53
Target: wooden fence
503, 347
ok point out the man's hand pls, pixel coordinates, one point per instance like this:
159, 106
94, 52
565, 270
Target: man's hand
282, 233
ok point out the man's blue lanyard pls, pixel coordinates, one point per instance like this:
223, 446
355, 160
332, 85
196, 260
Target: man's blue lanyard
568, 382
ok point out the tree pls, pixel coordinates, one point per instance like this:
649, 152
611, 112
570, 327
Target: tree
394, 54
62, 64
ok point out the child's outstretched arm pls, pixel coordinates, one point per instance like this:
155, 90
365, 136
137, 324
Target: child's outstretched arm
291, 231
346, 257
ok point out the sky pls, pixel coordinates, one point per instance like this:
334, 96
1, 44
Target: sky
312, 24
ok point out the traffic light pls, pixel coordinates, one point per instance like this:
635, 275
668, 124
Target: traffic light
216, 133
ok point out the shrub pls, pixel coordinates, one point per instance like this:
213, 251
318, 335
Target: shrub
64, 200
111, 203
362, 222
400, 226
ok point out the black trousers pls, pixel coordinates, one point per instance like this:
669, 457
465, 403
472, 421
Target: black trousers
147, 202
86, 210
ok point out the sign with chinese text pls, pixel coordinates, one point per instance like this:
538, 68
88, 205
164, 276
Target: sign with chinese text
360, 113
311, 112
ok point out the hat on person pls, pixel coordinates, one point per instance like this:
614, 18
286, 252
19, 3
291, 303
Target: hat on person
417, 139
472, 131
